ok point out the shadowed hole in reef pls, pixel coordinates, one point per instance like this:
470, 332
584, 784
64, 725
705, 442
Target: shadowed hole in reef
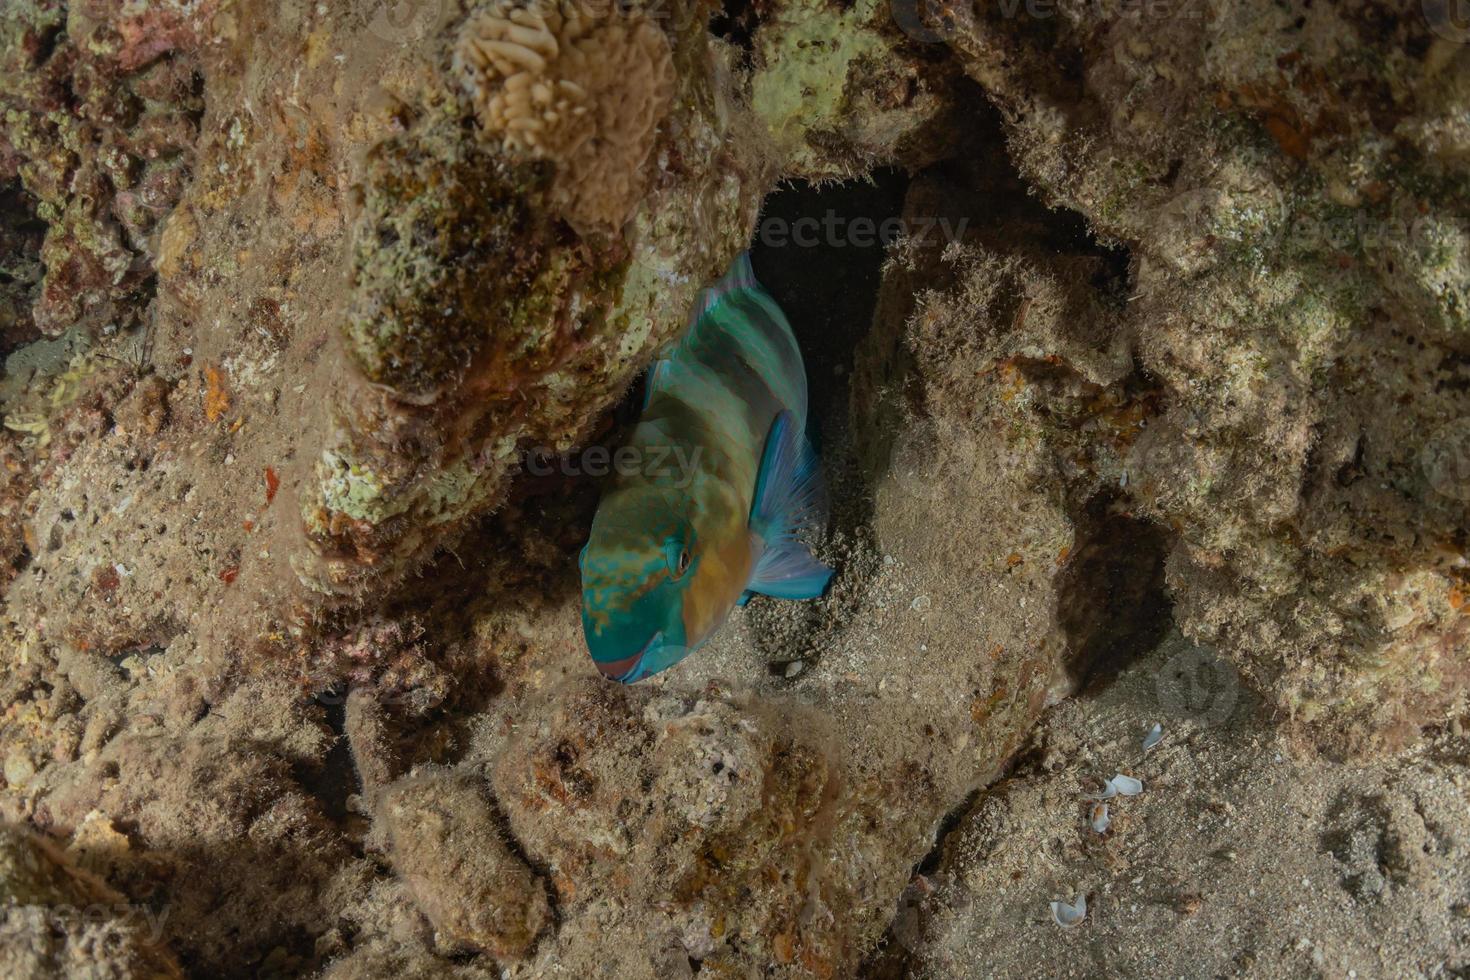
819, 251
336, 778
735, 22
21, 234
1112, 603
825, 277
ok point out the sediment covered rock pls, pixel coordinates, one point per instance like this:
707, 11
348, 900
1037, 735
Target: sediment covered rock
449, 846
1286, 183
1176, 331
61, 921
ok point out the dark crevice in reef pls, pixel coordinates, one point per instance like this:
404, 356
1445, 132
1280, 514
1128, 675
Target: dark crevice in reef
985, 190
819, 251
736, 22
21, 234
336, 779
1112, 602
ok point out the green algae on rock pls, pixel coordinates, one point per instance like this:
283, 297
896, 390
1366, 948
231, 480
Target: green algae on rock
840, 89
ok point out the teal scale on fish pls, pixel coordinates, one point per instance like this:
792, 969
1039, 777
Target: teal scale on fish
675, 547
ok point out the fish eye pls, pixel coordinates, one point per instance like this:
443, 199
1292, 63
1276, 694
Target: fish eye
676, 553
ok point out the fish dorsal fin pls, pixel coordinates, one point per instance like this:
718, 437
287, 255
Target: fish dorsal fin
653, 379
737, 280
739, 277
789, 499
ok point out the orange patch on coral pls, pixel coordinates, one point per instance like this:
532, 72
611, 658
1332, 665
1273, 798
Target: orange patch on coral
216, 397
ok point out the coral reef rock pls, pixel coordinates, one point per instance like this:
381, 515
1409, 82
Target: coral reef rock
61, 921
1286, 182
447, 844
589, 93
1144, 360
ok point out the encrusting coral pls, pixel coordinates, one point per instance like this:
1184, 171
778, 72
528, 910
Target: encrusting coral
445, 840
585, 92
1298, 253
290, 643
59, 920
100, 111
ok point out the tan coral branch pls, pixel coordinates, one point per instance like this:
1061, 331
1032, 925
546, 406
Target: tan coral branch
587, 93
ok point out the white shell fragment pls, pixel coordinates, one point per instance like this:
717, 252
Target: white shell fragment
1100, 818
1127, 785
1119, 785
1154, 737
1068, 916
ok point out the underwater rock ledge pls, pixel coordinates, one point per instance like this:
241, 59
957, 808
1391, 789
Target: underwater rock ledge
292, 664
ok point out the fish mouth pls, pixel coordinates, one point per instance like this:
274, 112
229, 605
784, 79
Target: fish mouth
630, 668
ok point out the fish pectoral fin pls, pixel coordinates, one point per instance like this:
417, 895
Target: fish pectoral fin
744, 599
789, 499
790, 572
789, 496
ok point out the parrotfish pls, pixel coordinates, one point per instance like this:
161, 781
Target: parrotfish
674, 548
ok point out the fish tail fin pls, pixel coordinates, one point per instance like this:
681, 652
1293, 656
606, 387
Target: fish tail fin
789, 498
